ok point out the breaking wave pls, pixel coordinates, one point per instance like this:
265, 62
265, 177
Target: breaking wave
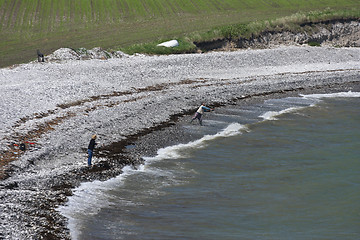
178, 151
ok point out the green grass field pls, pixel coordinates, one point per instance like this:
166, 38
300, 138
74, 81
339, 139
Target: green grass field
27, 25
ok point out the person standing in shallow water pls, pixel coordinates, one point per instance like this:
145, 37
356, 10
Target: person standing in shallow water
91, 148
200, 112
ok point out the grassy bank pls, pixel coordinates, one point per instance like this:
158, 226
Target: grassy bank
118, 24
292, 23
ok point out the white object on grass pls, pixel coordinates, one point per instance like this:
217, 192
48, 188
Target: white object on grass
171, 43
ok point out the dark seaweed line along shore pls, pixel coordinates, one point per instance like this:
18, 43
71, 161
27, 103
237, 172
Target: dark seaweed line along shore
164, 91
31, 135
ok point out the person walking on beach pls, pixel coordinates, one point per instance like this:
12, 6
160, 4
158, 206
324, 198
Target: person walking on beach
91, 148
200, 112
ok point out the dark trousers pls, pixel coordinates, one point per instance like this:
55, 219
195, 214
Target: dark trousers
198, 117
90, 152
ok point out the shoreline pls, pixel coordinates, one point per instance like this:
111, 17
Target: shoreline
169, 102
147, 145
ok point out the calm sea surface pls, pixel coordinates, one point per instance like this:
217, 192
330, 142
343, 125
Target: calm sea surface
285, 169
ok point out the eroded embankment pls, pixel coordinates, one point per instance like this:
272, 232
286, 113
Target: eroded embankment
336, 32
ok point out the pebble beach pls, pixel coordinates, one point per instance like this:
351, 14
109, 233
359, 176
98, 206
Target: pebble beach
55, 107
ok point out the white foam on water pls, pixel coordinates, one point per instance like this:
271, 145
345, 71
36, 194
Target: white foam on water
271, 115
313, 98
176, 151
88, 199
332, 95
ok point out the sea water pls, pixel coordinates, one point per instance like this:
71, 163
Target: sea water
283, 169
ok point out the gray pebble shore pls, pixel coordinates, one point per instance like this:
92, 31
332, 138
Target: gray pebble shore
124, 100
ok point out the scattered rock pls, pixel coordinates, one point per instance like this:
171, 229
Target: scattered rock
98, 53
83, 54
63, 54
120, 54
